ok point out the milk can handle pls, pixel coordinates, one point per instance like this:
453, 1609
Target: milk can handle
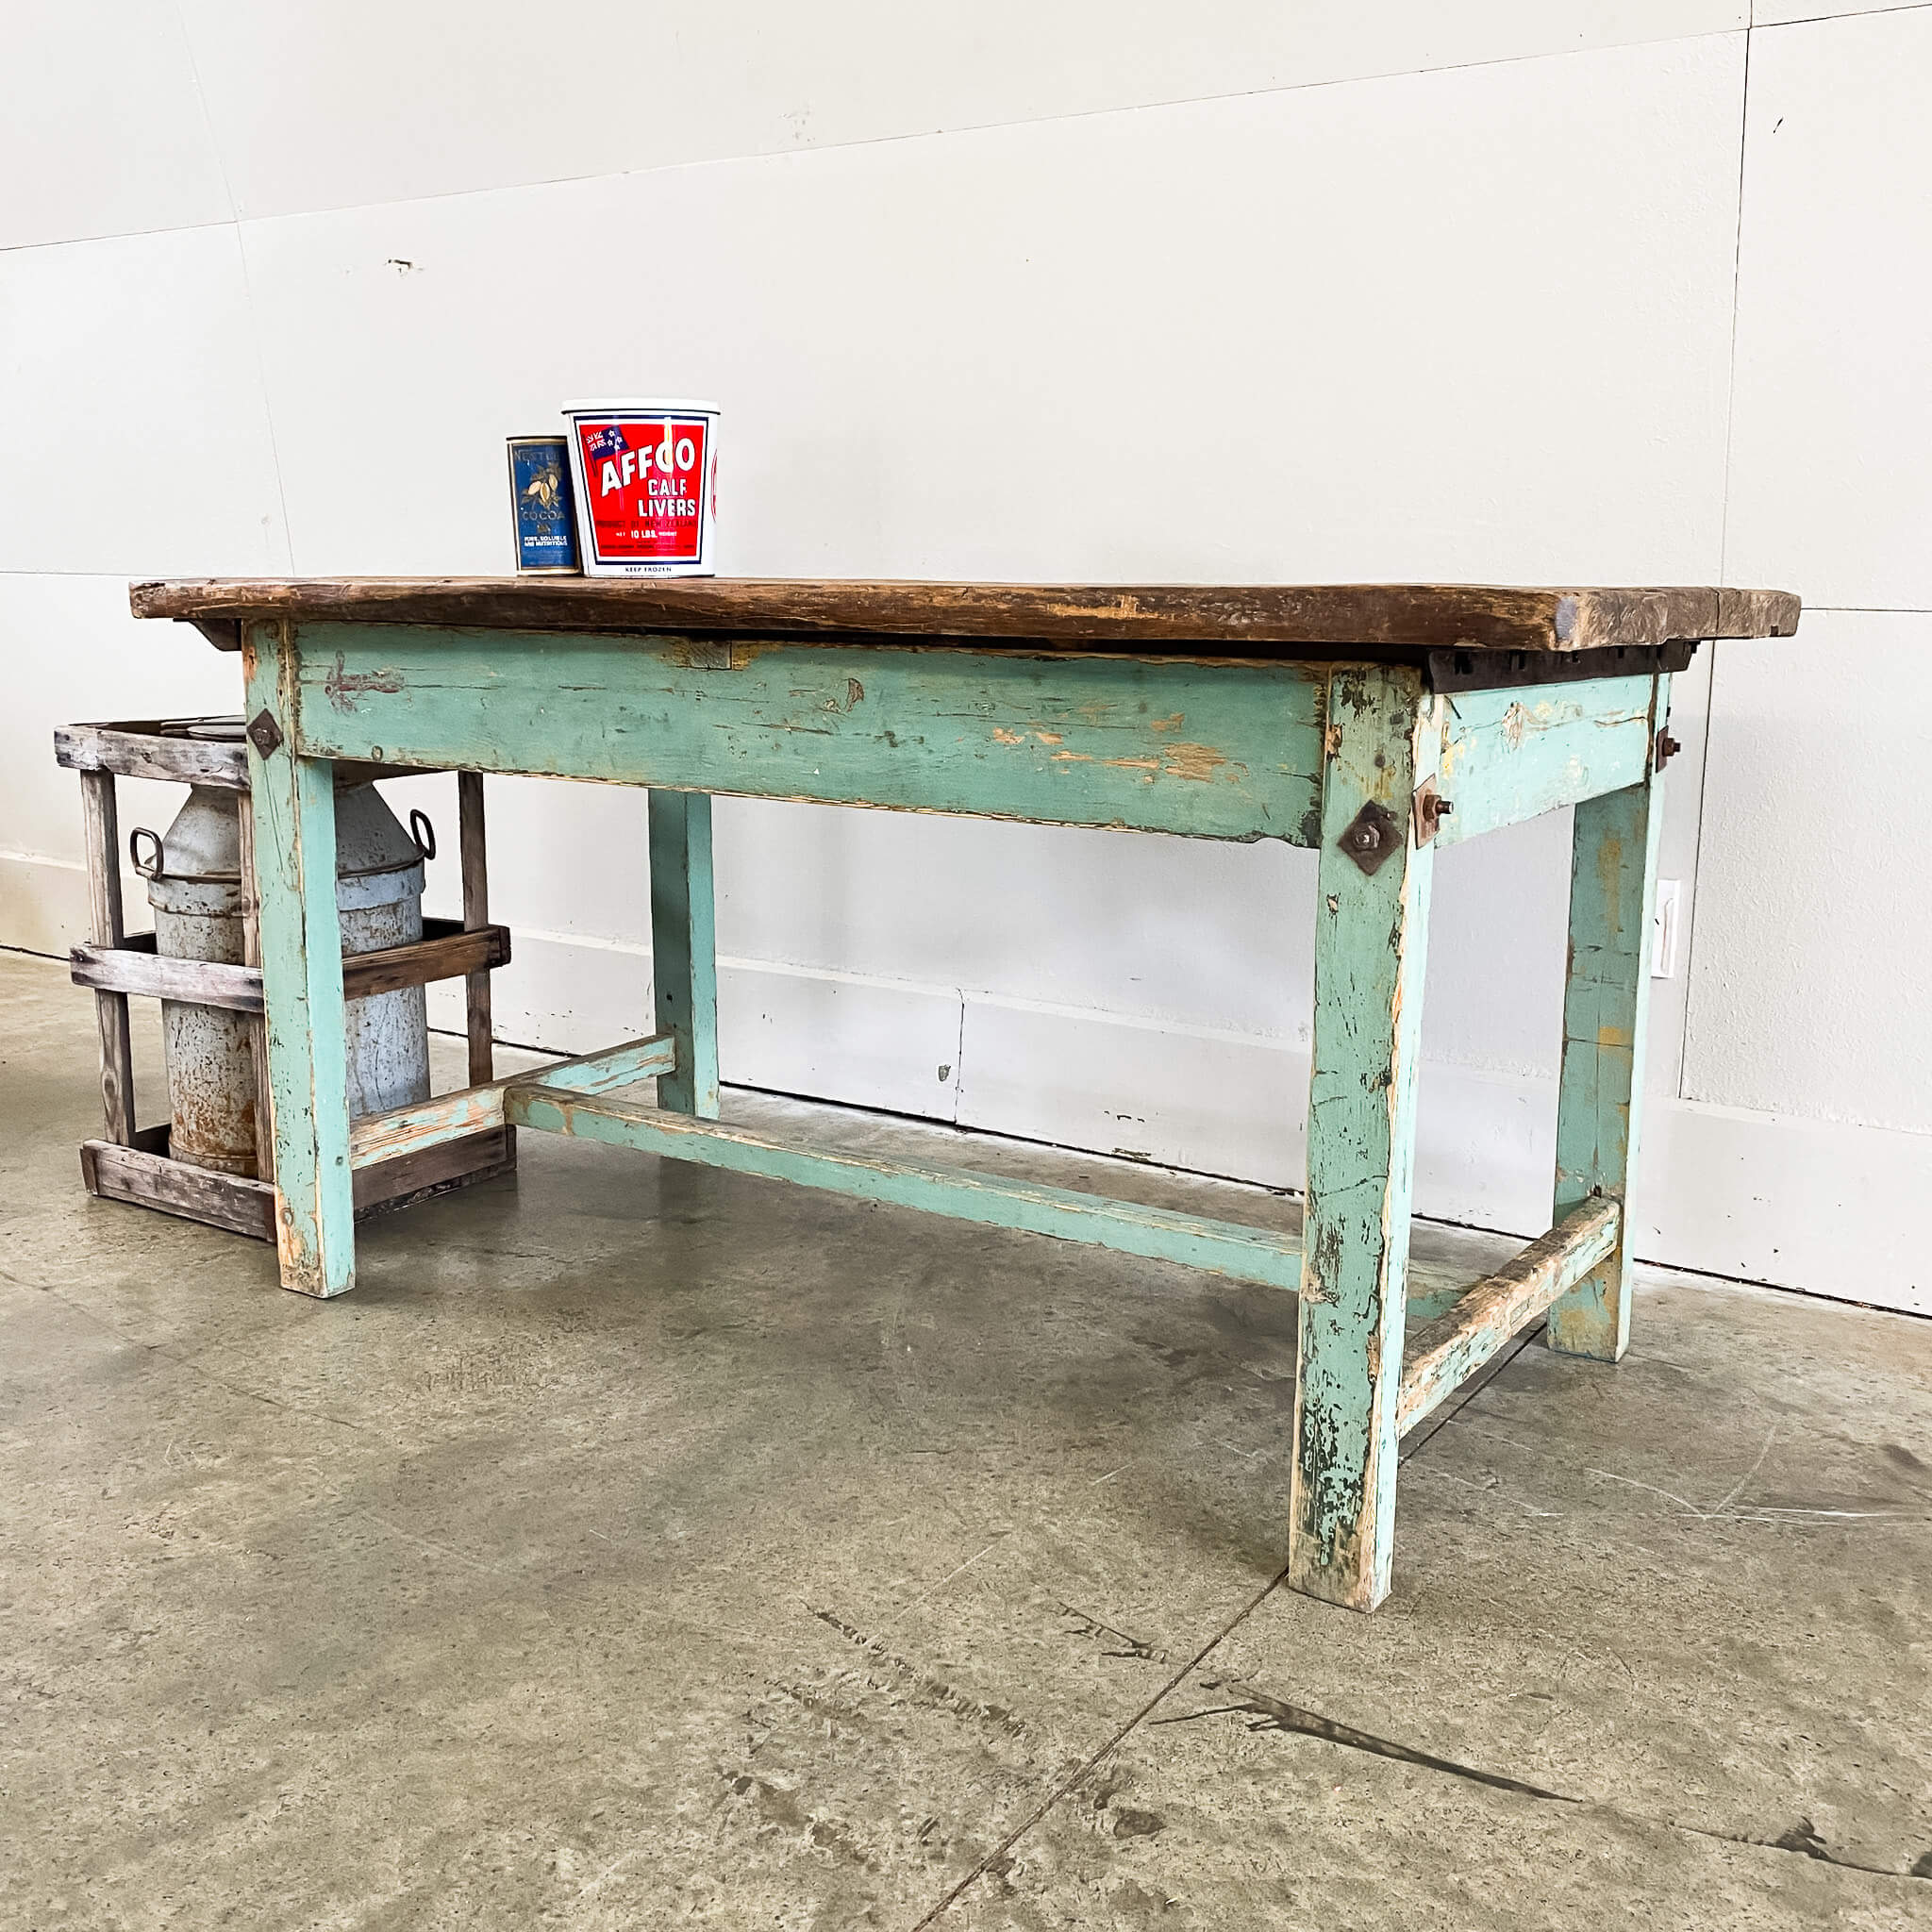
152, 868
423, 832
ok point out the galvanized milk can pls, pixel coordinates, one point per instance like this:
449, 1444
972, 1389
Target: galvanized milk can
194, 886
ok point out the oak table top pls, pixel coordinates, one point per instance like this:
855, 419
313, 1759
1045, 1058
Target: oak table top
1246, 621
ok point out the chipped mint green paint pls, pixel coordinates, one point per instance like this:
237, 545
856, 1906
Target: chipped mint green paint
1509, 754
1218, 750
1370, 942
1214, 751
1605, 1013
302, 988
597, 1073
684, 948
1436, 1359
1194, 1240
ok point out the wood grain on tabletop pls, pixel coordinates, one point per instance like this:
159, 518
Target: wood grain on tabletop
1248, 619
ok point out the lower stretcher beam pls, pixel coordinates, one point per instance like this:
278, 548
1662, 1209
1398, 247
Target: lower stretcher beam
1195, 1240
573, 1097
379, 1137
1446, 1353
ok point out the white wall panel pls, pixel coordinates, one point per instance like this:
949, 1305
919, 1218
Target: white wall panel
1348, 332
102, 130
839, 1035
931, 365
1783, 12
130, 391
967, 319
1163, 928
1831, 468
72, 652
1811, 977
861, 1040
1190, 933
324, 106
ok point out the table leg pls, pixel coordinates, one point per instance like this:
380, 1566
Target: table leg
684, 964
1606, 1008
1370, 942
302, 985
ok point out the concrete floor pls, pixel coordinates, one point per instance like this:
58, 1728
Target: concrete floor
640, 1546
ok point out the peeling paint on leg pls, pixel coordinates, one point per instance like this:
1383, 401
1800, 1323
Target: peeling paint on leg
1368, 963
1605, 1003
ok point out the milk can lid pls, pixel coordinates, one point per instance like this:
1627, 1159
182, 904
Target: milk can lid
211, 731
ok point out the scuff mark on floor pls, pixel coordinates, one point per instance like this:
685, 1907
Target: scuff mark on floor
1138, 1648
1267, 1713
921, 1687
999, 1858
777, 1804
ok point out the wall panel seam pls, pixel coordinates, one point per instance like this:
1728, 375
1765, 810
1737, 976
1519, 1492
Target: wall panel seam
978, 128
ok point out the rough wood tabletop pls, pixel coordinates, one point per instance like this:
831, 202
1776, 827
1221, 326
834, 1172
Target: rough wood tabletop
1247, 620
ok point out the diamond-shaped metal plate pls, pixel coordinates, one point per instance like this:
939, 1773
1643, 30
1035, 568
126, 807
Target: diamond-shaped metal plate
1371, 836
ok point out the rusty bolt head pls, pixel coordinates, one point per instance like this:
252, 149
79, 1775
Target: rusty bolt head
1371, 836
1431, 809
264, 734
1667, 748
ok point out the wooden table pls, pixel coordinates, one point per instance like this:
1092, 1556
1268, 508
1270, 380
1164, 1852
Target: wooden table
1374, 724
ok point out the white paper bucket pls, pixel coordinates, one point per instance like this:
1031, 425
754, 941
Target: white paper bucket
646, 478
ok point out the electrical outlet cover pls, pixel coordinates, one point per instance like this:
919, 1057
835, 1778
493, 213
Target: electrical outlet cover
1663, 929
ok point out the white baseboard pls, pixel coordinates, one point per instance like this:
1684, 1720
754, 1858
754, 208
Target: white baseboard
832, 1036
43, 903
1819, 1205
1829, 1208
1826, 1207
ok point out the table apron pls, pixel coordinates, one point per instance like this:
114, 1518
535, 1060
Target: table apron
1512, 755
1208, 750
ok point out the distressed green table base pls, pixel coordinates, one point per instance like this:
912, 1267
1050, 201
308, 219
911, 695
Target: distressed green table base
1292, 750
1453, 1330
1240, 713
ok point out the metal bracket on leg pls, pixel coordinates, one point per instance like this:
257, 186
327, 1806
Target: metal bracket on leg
1372, 836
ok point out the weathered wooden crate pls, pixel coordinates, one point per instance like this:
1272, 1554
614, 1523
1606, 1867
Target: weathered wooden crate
132, 1163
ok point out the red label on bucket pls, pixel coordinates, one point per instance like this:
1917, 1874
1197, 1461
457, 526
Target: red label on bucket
644, 489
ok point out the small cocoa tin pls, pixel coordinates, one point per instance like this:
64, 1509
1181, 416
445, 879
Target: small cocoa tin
543, 516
